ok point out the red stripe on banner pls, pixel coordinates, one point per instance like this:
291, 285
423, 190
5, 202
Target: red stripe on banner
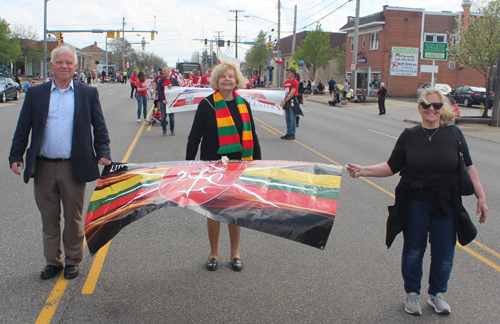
294, 200
183, 102
120, 202
229, 139
256, 94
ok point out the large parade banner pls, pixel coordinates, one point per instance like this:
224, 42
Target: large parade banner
187, 99
292, 200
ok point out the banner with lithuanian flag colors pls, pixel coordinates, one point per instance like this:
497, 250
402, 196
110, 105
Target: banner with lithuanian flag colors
293, 200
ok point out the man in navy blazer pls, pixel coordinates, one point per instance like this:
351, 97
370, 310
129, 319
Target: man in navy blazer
69, 139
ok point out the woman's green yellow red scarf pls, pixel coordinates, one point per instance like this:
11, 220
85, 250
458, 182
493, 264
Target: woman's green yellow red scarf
229, 139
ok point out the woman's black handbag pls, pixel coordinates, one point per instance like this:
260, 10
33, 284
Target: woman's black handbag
466, 186
466, 230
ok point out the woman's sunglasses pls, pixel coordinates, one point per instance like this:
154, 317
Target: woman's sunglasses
436, 105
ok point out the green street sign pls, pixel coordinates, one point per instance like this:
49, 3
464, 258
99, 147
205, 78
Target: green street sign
435, 51
248, 43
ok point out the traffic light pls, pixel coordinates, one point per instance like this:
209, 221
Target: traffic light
152, 35
110, 35
206, 42
228, 44
59, 37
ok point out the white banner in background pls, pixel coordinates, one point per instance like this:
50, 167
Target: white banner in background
187, 99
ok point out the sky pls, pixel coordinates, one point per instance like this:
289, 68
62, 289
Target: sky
182, 24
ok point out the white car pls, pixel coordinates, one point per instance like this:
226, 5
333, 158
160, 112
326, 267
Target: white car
443, 87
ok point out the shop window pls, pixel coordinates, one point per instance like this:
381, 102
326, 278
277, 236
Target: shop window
363, 41
352, 43
436, 38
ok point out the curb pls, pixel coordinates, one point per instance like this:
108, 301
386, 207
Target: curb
473, 120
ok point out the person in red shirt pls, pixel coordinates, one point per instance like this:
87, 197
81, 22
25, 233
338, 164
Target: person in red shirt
207, 78
133, 83
291, 87
198, 80
141, 95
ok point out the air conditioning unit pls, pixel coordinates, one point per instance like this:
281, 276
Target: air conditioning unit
451, 65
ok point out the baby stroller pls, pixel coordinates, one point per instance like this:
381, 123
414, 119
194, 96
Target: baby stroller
156, 117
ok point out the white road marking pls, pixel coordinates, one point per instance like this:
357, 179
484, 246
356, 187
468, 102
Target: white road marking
371, 130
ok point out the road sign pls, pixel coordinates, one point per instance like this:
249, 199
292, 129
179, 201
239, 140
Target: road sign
294, 64
435, 51
301, 63
248, 43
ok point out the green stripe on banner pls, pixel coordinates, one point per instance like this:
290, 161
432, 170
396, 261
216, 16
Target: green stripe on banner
94, 205
291, 186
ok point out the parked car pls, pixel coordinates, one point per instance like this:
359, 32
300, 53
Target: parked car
9, 89
443, 87
470, 95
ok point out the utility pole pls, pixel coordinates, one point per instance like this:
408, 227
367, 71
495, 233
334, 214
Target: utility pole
279, 42
268, 61
294, 29
217, 45
236, 33
44, 65
123, 41
355, 50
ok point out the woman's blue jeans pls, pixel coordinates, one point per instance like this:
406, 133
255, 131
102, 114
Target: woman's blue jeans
142, 101
441, 231
290, 121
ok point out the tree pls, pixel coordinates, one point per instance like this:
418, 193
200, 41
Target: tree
339, 54
478, 44
10, 47
256, 56
195, 57
315, 50
31, 48
120, 47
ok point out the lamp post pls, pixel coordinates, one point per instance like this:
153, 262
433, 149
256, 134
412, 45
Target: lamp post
44, 65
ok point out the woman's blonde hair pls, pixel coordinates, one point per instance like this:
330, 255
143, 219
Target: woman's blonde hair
221, 68
447, 114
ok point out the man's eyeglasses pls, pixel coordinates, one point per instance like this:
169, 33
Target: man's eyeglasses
436, 105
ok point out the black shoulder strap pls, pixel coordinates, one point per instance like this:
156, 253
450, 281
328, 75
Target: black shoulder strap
457, 138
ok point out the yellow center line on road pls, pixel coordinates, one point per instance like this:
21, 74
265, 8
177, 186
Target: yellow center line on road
57, 292
477, 255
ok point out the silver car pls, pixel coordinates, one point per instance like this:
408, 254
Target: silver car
443, 87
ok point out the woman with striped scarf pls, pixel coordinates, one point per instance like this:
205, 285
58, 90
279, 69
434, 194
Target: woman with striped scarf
224, 125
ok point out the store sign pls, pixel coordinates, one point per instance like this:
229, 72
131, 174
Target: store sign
362, 60
404, 61
435, 51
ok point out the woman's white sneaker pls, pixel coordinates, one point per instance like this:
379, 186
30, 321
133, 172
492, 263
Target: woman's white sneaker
412, 304
440, 306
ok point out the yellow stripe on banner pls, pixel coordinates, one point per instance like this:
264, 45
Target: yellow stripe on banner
51, 303
323, 180
122, 185
224, 122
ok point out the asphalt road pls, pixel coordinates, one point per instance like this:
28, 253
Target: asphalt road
154, 269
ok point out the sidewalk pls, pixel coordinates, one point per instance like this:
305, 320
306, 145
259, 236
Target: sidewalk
405, 109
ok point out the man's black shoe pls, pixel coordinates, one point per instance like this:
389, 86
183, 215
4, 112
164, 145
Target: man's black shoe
290, 137
285, 136
50, 271
71, 272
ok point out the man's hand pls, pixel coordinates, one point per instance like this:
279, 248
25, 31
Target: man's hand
104, 161
16, 166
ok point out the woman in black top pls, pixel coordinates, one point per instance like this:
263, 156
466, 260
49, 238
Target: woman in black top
381, 99
226, 78
300, 96
427, 198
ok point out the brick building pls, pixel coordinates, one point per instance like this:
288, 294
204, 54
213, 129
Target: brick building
386, 36
323, 73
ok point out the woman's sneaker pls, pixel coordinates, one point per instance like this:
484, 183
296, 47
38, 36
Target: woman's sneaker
412, 304
440, 306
